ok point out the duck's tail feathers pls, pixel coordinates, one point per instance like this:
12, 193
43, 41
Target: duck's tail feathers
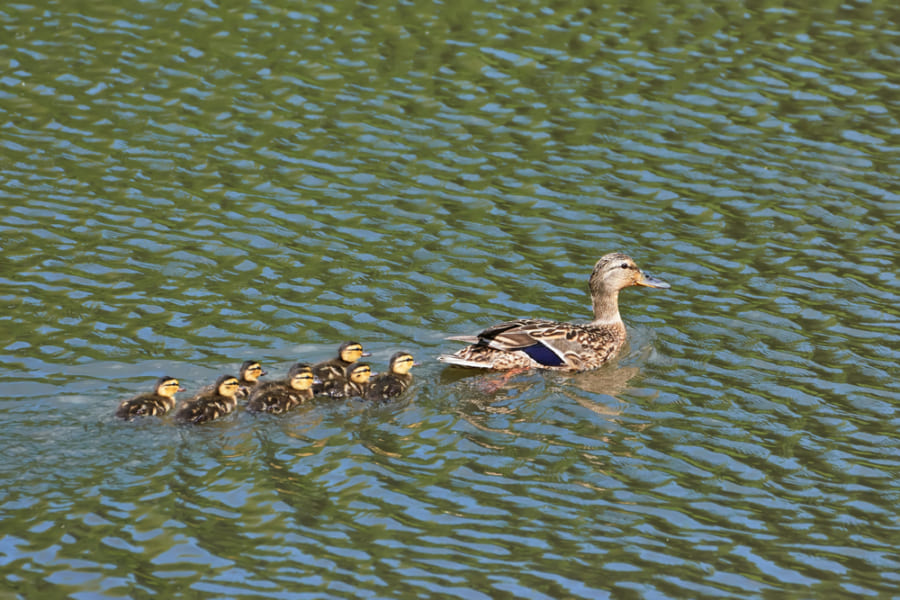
468, 339
452, 359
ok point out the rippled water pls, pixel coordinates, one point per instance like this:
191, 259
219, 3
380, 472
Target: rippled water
187, 186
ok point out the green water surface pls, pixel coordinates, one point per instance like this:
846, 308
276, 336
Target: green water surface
184, 186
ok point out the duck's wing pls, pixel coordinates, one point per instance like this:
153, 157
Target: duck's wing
546, 342
550, 344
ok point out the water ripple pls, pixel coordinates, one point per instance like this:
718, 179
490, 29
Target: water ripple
185, 188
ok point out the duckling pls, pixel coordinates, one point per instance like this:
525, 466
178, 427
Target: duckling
357, 383
332, 374
161, 401
544, 344
249, 376
207, 406
395, 381
282, 396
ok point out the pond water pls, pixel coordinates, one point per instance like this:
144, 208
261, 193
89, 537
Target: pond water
188, 185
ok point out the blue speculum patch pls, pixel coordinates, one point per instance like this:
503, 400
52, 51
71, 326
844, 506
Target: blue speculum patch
543, 355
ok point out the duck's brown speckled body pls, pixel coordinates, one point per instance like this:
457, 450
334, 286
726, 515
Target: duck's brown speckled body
545, 344
159, 402
207, 406
332, 373
395, 381
281, 396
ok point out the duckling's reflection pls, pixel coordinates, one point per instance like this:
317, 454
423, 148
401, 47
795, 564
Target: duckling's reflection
308, 496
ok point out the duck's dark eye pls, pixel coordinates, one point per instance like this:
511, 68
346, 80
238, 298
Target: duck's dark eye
624, 265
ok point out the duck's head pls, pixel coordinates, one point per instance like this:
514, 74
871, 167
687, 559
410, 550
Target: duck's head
360, 373
227, 385
351, 352
301, 376
616, 271
251, 370
168, 386
401, 363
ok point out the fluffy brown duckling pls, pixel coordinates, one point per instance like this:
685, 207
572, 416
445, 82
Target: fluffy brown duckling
248, 377
207, 406
332, 373
544, 344
395, 381
357, 383
159, 402
281, 396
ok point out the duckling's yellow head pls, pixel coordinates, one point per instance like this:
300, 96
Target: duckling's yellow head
227, 386
351, 352
360, 373
168, 387
401, 363
616, 271
301, 376
251, 370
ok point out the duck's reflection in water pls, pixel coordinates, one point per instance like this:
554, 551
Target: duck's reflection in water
611, 381
534, 396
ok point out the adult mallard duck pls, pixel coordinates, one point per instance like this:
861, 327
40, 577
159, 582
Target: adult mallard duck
544, 344
282, 396
207, 406
332, 373
395, 381
159, 402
